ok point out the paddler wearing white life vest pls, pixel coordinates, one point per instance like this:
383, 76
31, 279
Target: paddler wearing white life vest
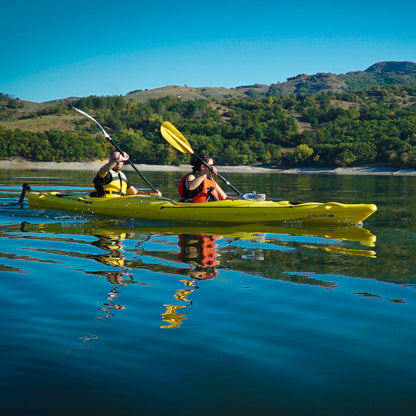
111, 181
199, 185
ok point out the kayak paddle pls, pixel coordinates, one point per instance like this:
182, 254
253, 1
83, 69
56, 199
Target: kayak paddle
173, 136
107, 136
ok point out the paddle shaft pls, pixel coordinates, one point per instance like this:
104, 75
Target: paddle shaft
134, 167
108, 137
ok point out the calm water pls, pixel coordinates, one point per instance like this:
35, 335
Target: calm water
104, 317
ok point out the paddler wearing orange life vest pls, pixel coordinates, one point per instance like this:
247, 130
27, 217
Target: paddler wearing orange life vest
111, 181
199, 185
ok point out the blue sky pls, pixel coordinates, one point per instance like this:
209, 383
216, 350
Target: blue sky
53, 49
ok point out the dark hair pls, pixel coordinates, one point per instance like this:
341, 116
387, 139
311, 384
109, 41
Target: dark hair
196, 162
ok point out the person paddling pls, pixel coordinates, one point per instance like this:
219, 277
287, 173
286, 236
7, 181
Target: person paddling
199, 185
111, 181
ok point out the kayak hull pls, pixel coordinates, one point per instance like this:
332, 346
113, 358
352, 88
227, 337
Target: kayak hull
229, 211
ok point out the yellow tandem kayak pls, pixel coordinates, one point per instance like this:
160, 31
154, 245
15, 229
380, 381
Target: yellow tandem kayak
237, 211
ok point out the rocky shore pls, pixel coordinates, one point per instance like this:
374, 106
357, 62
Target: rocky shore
21, 164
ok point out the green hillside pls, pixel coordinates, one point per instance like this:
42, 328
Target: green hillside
320, 120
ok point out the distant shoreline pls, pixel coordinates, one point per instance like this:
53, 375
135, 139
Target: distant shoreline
21, 164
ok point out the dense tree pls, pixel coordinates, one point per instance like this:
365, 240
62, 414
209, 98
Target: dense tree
377, 125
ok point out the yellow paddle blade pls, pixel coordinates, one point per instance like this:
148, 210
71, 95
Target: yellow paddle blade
173, 136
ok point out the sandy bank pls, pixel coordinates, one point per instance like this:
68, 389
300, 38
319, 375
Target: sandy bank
20, 164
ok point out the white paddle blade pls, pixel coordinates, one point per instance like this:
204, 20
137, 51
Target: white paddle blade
107, 136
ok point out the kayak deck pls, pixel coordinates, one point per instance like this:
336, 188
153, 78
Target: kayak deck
227, 211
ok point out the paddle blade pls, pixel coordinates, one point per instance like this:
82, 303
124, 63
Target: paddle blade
173, 136
106, 135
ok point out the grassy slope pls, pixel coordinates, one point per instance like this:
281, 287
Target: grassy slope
186, 93
44, 123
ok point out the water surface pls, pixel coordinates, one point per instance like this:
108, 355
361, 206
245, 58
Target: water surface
113, 315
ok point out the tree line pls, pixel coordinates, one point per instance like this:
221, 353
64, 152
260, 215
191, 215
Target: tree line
376, 125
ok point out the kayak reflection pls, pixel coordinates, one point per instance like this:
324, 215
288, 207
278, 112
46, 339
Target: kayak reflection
199, 253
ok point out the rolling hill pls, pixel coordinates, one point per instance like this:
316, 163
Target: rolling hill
381, 73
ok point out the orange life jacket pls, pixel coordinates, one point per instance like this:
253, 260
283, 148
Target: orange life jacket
206, 192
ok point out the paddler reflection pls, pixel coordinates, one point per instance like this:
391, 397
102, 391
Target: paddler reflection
112, 244
114, 256
197, 250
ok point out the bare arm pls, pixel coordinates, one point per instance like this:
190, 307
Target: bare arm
221, 193
194, 180
112, 164
131, 190
106, 168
